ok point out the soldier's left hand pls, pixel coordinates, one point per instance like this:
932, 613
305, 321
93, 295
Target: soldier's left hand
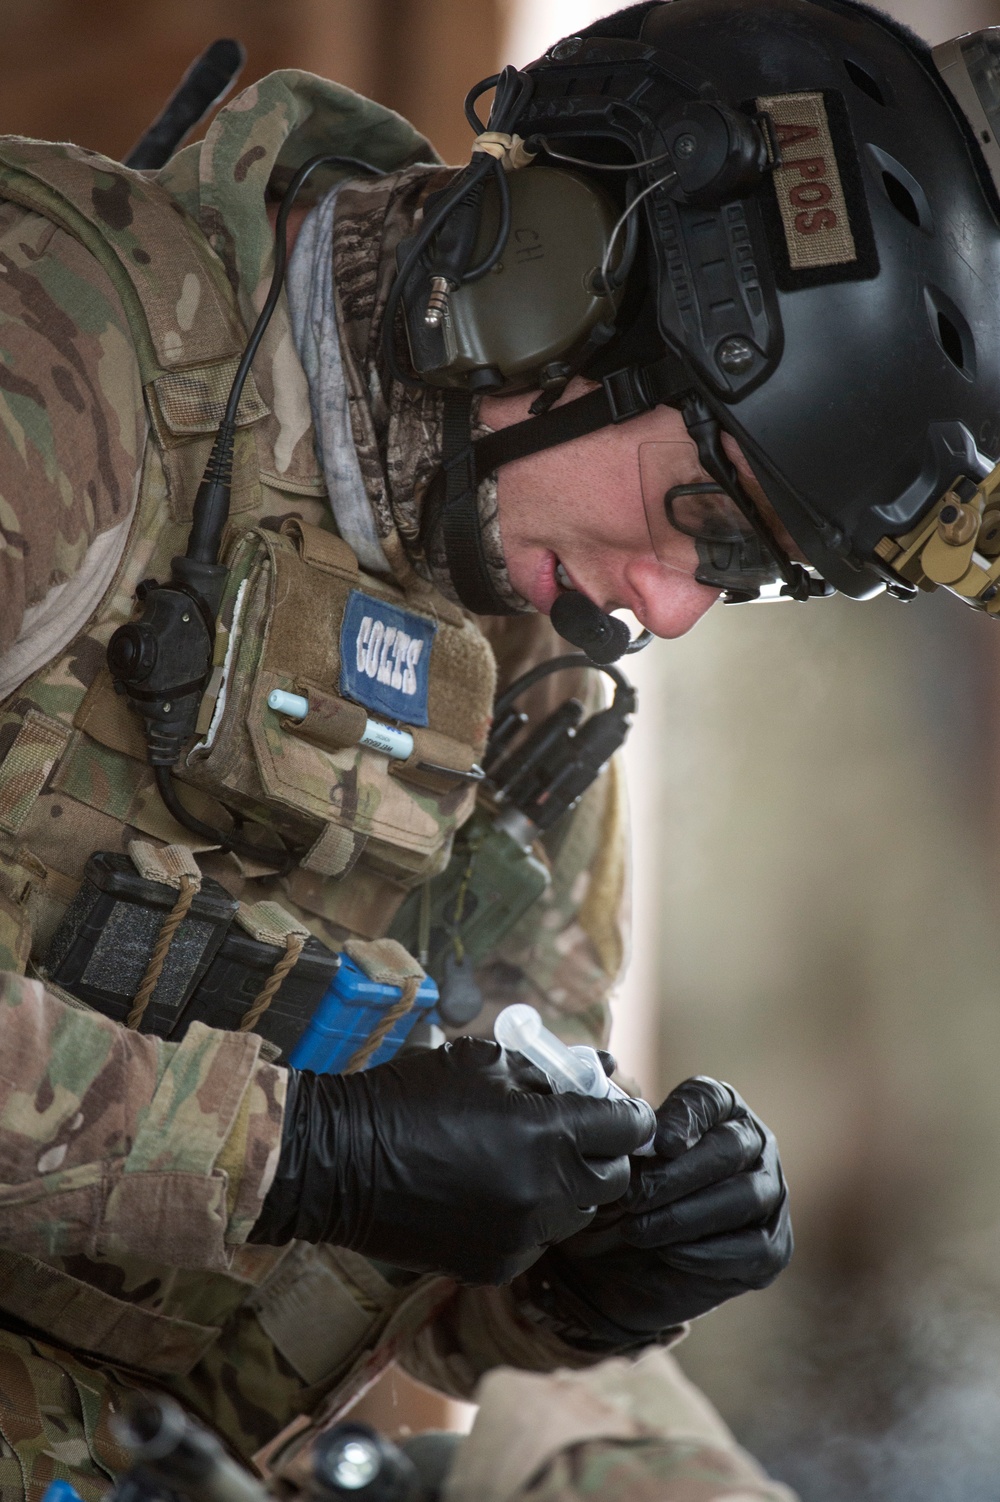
704, 1220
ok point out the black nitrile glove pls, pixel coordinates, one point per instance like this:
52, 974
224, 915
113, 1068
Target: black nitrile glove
438, 1161
703, 1221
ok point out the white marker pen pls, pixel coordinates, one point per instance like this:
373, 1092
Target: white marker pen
396, 744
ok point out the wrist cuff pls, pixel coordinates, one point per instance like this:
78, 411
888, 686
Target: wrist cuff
574, 1320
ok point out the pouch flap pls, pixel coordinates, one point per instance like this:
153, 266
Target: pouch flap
194, 401
324, 550
84, 1317
384, 961
171, 281
350, 788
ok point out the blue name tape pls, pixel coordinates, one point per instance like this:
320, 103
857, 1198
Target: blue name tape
385, 657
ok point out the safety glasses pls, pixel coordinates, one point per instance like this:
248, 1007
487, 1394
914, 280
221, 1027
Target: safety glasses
970, 66
698, 529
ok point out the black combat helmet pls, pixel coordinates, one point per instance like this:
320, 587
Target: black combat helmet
819, 236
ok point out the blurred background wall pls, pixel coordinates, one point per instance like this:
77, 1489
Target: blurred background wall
816, 877
93, 71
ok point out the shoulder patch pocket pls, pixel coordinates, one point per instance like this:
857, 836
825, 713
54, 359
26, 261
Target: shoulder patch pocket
385, 655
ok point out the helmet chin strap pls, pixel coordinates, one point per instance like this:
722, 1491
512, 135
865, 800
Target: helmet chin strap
451, 502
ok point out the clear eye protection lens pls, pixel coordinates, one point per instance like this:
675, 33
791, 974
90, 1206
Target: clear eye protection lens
981, 51
696, 527
706, 513
970, 66
682, 508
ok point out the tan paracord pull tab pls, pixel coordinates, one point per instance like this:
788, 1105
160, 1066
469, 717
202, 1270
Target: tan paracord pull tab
270, 924
166, 864
171, 866
384, 960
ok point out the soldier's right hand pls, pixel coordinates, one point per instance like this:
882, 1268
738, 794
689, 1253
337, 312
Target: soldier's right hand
440, 1161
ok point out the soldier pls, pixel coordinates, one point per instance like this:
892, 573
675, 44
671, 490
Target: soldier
759, 181
183, 1212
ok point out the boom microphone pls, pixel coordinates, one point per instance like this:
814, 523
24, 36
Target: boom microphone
585, 625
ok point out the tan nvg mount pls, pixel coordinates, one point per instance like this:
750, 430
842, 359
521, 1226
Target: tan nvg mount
956, 545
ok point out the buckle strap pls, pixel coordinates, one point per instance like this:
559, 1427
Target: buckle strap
625, 394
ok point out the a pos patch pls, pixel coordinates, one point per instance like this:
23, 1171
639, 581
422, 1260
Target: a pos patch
823, 233
385, 657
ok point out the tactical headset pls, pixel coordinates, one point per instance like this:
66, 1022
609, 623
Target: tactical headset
782, 218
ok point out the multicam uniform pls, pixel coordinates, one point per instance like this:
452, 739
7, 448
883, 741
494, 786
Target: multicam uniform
132, 1169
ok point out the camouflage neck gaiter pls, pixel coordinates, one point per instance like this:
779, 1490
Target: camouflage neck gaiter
397, 429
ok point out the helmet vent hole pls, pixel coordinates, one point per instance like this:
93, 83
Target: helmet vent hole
952, 331
902, 189
864, 81
901, 198
951, 341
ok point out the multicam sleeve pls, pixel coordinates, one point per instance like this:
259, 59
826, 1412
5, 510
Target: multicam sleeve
481, 1330
115, 1143
678, 1470
627, 1430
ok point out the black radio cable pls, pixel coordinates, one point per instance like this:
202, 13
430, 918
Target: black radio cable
513, 91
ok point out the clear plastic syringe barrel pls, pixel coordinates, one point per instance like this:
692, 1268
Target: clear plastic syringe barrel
520, 1029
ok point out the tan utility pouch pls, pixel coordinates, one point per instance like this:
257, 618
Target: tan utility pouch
298, 615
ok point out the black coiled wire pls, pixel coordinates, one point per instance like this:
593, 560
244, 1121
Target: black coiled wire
513, 91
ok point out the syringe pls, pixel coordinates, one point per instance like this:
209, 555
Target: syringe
567, 1067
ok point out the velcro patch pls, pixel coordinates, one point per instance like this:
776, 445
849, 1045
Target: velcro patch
385, 656
825, 231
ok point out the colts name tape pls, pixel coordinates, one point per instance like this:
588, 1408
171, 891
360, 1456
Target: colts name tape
385, 657
388, 654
